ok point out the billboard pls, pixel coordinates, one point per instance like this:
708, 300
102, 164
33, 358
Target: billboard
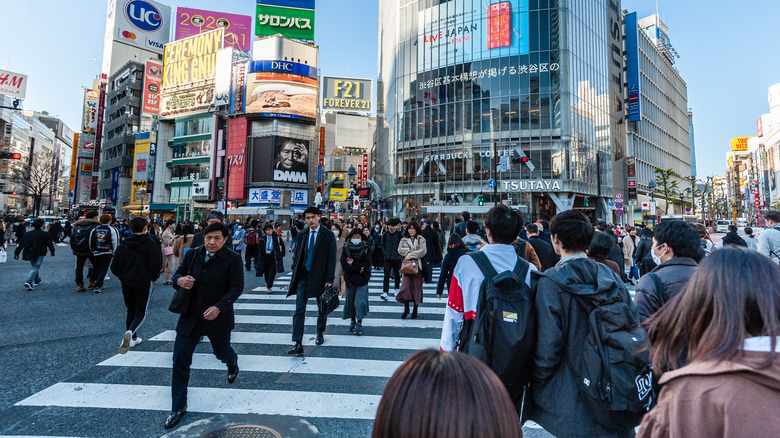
191, 59
141, 23
290, 162
238, 28
141, 164
739, 144
291, 18
89, 121
461, 31
189, 101
13, 84
632, 68
282, 89
268, 196
152, 83
338, 194
347, 94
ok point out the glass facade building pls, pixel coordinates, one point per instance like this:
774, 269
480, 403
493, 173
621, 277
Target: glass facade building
513, 91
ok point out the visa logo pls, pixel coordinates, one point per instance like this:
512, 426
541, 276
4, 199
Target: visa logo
154, 44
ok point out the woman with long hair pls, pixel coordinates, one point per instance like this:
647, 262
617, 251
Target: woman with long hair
455, 249
435, 394
412, 248
716, 346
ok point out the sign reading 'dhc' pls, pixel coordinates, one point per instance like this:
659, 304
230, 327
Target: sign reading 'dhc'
348, 94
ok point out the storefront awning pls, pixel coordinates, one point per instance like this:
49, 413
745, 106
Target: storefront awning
163, 207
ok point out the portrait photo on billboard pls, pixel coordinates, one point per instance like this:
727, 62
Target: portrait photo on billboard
282, 95
291, 160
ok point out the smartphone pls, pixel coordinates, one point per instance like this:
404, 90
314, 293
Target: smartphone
499, 18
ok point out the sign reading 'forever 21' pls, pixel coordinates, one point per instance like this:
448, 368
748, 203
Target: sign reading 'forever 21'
531, 185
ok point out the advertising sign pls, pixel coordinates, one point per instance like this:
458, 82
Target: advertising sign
238, 28
99, 132
89, 121
269, 196
617, 125
739, 144
223, 76
464, 31
347, 94
113, 195
365, 168
321, 159
152, 83
13, 84
338, 194
631, 177
141, 164
290, 163
191, 59
84, 178
142, 23
291, 18
759, 127
237, 89
200, 189
186, 102
282, 89
632, 68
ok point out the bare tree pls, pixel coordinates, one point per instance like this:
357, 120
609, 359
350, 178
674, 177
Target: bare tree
37, 177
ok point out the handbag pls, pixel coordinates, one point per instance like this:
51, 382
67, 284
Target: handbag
3, 255
410, 267
236, 242
182, 298
167, 250
329, 300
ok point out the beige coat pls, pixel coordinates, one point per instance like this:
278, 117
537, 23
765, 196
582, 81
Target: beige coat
628, 250
412, 250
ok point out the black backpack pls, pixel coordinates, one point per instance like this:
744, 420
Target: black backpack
79, 240
503, 332
614, 374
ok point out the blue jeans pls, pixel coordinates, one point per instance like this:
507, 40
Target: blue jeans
634, 271
33, 276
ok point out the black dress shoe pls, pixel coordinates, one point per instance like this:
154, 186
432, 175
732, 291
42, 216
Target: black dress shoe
297, 349
320, 339
232, 373
174, 418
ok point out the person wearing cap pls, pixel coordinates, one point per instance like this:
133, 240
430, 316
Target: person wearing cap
213, 217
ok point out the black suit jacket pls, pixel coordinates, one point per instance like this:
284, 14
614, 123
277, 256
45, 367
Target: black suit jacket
217, 283
544, 251
323, 265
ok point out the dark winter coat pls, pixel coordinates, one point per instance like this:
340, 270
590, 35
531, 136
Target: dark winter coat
323, 267
562, 326
89, 224
732, 238
390, 242
361, 258
616, 255
138, 259
19, 230
674, 275
217, 283
545, 252
433, 254
450, 260
34, 244
277, 247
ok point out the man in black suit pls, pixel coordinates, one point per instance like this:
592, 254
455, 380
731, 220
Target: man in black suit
544, 251
309, 279
214, 275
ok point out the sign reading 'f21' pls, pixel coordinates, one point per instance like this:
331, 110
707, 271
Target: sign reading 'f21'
291, 18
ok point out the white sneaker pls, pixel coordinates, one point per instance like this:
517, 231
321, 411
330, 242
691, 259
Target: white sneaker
127, 338
383, 296
395, 292
135, 342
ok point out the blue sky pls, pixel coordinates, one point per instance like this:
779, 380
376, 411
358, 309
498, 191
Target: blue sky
728, 56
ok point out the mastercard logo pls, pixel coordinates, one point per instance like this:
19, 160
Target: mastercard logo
128, 35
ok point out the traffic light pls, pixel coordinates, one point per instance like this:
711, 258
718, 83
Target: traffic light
481, 200
10, 155
586, 200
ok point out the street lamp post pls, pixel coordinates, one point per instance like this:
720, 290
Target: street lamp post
651, 186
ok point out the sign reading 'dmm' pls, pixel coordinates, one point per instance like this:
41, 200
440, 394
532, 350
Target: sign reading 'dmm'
346, 94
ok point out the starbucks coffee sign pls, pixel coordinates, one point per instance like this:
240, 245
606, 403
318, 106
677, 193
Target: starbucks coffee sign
531, 185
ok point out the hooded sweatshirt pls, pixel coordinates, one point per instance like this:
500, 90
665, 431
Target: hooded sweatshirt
731, 398
137, 260
471, 241
562, 326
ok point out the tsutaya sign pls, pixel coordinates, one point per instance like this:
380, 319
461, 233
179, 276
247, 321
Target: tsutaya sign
531, 185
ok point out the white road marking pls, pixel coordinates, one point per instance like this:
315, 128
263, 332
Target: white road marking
210, 400
337, 321
393, 343
371, 298
397, 308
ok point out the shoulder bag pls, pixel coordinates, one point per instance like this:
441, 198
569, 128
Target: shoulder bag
182, 298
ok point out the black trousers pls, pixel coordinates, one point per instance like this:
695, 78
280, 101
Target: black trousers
395, 266
269, 268
137, 302
183, 349
100, 269
251, 253
300, 313
80, 260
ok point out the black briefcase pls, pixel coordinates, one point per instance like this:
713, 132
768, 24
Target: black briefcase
329, 300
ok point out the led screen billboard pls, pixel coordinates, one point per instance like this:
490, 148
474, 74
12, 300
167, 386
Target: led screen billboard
290, 162
461, 31
282, 89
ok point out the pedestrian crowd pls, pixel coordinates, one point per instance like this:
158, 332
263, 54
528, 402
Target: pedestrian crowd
539, 324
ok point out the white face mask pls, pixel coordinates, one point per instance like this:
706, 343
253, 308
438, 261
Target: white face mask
656, 259
336, 233
239, 227
356, 241
377, 227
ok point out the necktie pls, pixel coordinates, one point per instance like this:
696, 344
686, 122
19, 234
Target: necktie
310, 250
208, 256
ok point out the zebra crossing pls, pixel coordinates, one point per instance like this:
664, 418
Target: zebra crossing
341, 379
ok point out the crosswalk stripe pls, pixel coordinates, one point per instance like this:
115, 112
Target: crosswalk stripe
371, 298
313, 308
392, 343
368, 323
267, 364
208, 400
